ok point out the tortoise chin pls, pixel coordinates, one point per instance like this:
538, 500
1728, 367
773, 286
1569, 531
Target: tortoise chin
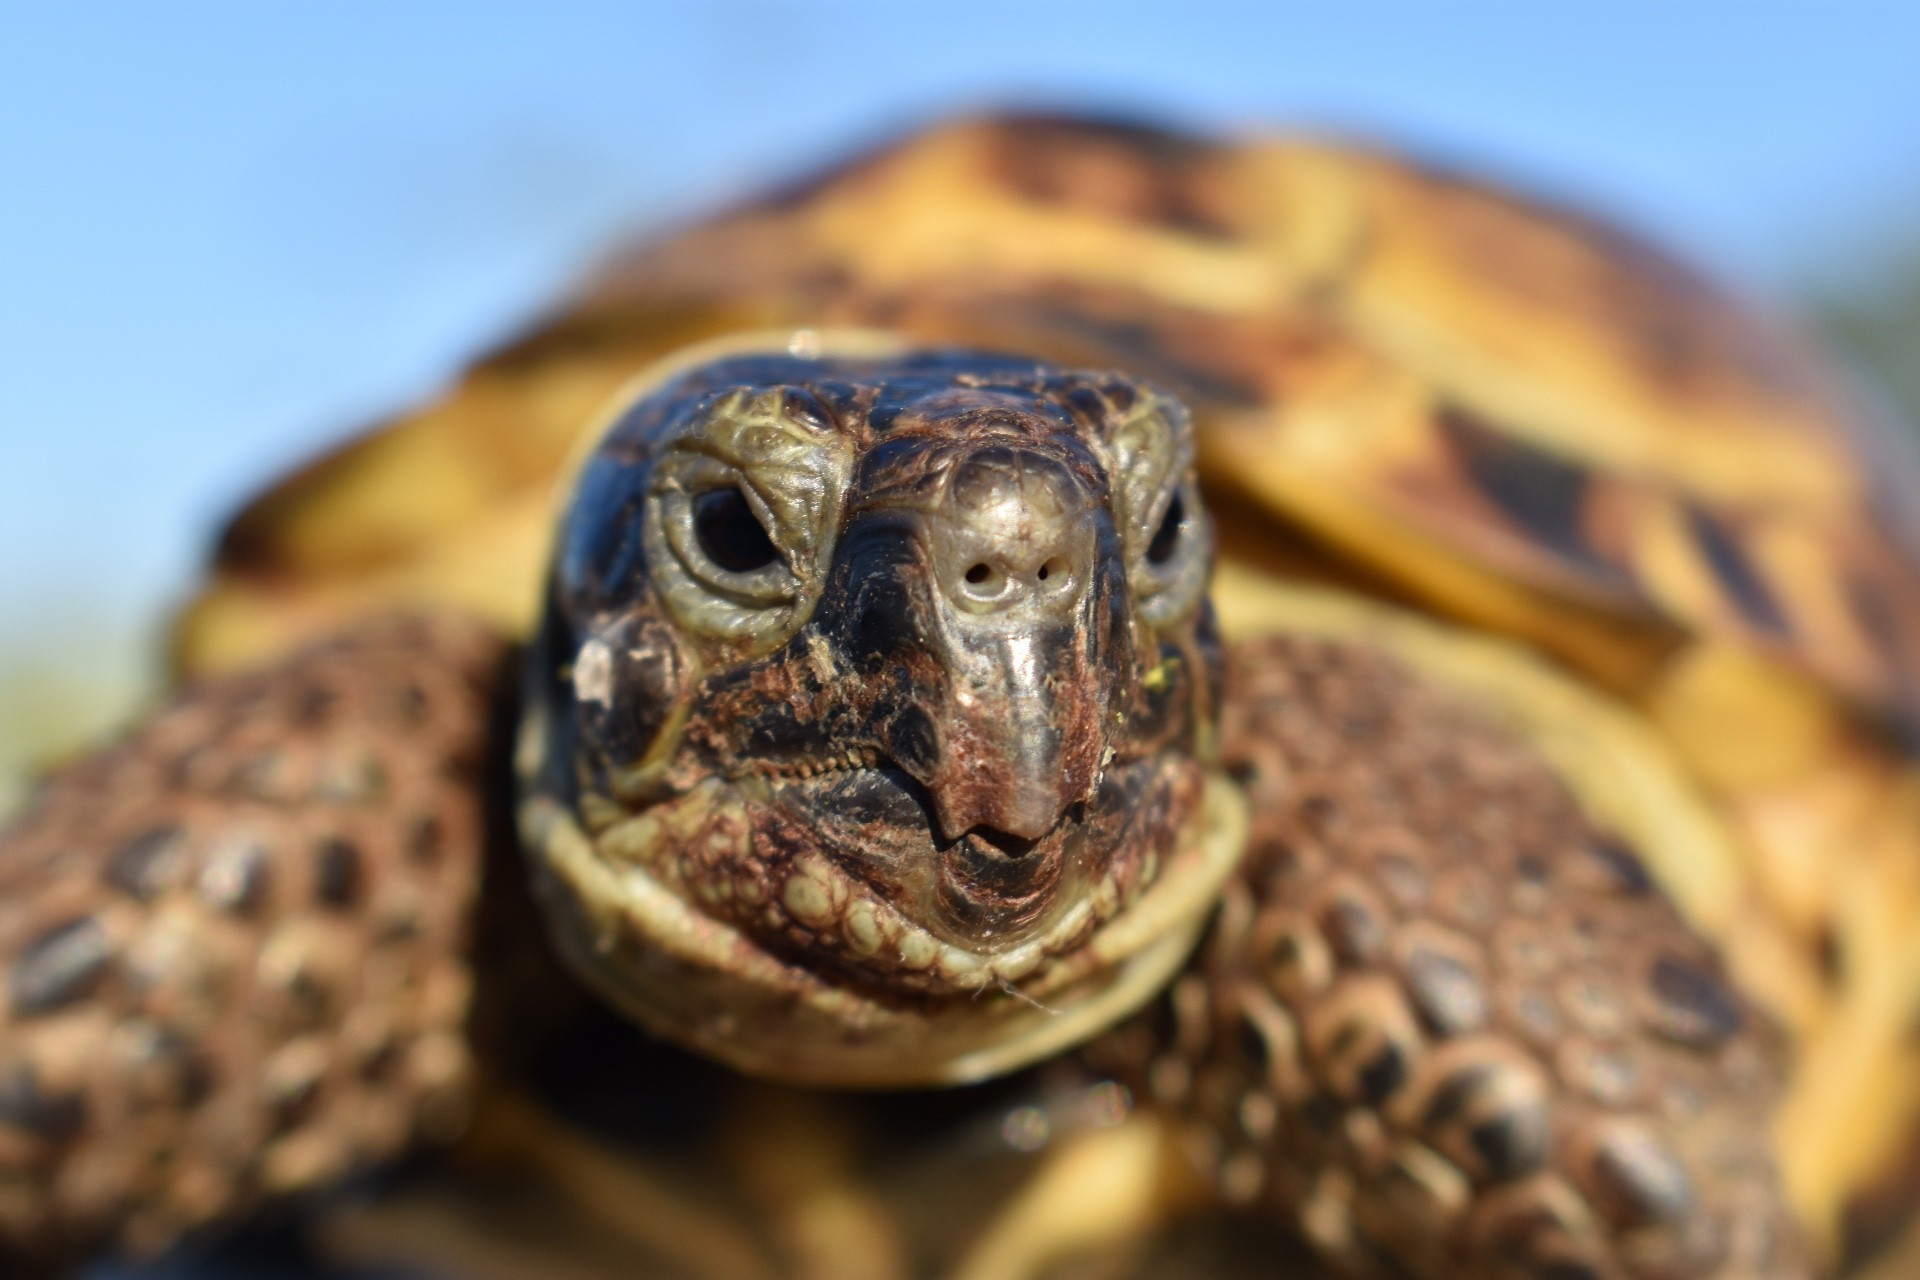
869, 723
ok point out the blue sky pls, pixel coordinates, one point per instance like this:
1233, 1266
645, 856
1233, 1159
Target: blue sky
229, 232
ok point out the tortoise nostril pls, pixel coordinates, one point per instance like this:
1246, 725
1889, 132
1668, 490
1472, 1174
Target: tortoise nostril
1016, 532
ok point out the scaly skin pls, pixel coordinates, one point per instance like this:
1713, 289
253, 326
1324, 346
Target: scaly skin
1407, 382
1443, 1018
235, 944
875, 735
933, 764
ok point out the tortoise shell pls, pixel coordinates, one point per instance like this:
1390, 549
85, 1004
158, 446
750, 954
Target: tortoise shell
1410, 387
1549, 472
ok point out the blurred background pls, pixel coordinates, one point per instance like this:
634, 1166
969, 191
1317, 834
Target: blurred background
232, 232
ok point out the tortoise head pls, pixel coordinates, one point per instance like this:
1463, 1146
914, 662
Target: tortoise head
869, 722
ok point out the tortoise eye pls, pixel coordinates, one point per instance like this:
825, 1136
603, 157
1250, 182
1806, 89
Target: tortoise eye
1171, 571
1166, 539
730, 533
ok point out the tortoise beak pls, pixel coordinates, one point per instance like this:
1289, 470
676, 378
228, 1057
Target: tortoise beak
1022, 741
1001, 602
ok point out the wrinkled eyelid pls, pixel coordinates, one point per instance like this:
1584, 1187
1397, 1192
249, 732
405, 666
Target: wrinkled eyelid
1161, 438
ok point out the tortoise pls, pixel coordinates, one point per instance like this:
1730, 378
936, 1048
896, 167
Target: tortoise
1511, 868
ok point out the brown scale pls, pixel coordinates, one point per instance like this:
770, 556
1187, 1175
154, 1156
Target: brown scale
231, 947
1447, 1023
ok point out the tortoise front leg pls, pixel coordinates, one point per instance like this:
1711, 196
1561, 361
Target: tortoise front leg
1444, 1022
233, 947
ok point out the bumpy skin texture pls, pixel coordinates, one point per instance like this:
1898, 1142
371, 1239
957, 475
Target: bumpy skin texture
1446, 1022
1442, 1021
943, 720
1405, 381
233, 947
920, 636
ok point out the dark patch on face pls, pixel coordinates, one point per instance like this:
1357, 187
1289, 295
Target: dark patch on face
996, 889
603, 556
806, 406
646, 676
930, 392
1742, 581
779, 733
879, 797
1161, 711
914, 742
1542, 493
878, 561
1210, 652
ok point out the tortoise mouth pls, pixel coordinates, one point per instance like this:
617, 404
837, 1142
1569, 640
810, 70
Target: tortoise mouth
984, 887
1009, 846
994, 904
675, 959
